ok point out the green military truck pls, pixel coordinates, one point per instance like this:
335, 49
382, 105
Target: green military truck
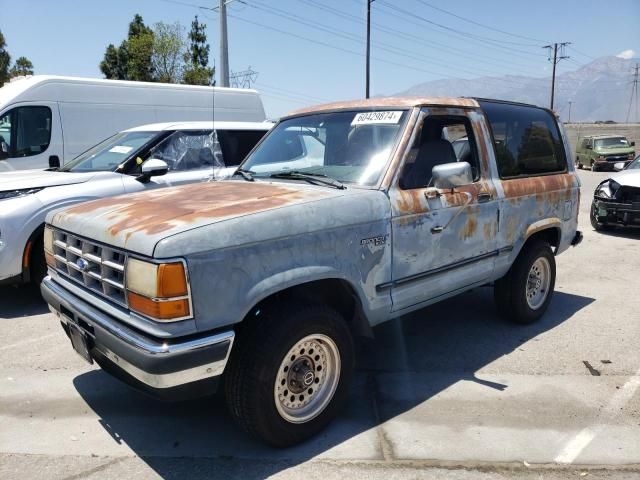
601, 152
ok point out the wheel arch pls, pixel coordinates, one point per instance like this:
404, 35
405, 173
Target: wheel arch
28, 251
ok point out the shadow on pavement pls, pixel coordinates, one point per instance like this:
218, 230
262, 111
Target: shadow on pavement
622, 232
446, 342
21, 301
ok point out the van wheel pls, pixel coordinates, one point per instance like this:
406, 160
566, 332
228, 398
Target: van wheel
523, 294
289, 373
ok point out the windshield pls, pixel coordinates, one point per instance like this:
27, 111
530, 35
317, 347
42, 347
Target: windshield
613, 142
635, 165
351, 147
109, 154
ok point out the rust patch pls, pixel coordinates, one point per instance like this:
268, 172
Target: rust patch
157, 211
388, 102
470, 227
489, 231
519, 187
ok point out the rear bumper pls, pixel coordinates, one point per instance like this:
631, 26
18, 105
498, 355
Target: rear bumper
165, 368
614, 213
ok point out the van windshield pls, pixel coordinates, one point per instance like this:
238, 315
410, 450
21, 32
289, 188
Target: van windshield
613, 142
108, 155
351, 147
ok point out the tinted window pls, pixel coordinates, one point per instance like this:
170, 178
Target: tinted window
236, 144
527, 140
27, 130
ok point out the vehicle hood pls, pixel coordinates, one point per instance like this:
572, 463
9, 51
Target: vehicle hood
136, 222
627, 178
22, 179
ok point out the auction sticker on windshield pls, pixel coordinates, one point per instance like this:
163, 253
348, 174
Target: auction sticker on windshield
121, 149
368, 118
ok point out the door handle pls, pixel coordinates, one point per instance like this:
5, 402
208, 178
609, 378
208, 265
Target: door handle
484, 197
437, 229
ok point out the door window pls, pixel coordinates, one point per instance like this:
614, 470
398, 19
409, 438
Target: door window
190, 150
236, 144
443, 139
26, 130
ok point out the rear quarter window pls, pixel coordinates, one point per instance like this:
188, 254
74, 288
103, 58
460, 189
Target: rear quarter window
527, 140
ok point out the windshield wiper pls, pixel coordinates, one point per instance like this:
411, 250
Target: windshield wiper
310, 177
246, 174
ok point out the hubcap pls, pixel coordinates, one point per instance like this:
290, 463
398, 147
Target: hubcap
307, 378
538, 283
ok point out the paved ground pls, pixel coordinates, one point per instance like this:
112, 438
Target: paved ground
451, 392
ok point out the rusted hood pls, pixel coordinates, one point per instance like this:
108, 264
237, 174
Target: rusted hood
136, 222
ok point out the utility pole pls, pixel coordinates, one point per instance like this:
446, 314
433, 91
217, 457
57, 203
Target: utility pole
570, 102
368, 55
224, 47
556, 59
634, 89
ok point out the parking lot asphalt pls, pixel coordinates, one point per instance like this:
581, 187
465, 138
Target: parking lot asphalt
450, 391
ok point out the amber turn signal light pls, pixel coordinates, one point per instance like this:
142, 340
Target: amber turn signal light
159, 309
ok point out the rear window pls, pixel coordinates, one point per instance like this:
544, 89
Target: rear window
527, 140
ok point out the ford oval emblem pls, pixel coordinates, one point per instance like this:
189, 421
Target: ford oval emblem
82, 264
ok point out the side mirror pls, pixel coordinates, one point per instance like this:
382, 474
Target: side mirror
152, 168
451, 175
4, 150
619, 166
633, 144
589, 147
54, 161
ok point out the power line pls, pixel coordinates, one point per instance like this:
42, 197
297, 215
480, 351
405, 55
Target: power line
432, 44
493, 42
380, 45
483, 25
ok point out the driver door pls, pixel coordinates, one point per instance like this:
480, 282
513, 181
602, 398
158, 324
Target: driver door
444, 241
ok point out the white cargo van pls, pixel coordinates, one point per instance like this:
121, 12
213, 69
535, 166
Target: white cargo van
48, 120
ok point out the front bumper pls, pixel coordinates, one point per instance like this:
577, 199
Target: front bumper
607, 165
165, 368
615, 213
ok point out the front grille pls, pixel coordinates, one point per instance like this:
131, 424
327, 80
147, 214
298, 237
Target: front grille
97, 267
628, 195
617, 158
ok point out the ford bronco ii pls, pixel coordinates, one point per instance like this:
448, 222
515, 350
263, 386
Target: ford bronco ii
343, 216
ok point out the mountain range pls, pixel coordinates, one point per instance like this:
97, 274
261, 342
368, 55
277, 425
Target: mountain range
599, 91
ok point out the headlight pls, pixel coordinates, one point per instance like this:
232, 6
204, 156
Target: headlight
158, 291
18, 193
613, 187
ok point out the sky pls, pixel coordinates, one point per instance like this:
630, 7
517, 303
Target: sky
312, 51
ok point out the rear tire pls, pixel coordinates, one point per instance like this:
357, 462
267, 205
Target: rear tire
523, 294
289, 372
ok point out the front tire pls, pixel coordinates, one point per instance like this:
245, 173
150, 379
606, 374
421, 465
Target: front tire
523, 294
289, 373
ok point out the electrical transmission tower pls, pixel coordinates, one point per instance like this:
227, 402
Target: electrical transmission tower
243, 79
556, 58
634, 90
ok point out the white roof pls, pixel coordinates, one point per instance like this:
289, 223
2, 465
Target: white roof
203, 125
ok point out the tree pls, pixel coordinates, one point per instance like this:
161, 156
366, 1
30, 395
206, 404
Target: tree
168, 48
5, 61
132, 59
23, 66
197, 71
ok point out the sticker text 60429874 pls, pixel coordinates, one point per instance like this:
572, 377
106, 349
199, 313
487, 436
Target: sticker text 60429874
367, 118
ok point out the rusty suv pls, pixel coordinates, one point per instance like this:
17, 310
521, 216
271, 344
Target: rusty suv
344, 216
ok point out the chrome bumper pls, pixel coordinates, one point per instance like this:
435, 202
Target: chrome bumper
158, 364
